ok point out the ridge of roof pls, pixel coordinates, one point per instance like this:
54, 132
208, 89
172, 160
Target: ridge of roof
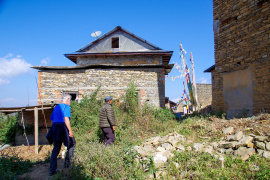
114, 30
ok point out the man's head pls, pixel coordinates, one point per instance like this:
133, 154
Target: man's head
66, 98
108, 99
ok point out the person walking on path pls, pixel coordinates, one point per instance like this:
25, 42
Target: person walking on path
107, 121
61, 132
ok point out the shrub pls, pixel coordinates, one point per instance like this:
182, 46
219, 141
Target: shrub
8, 126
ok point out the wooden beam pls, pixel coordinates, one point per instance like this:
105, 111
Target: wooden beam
36, 129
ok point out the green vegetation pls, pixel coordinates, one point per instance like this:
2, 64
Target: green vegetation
135, 123
11, 167
8, 126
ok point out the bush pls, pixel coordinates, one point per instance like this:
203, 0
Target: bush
8, 126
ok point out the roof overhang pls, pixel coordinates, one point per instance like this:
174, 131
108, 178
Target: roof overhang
167, 68
210, 69
166, 55
8, 110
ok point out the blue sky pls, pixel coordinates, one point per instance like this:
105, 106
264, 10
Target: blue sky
38, 32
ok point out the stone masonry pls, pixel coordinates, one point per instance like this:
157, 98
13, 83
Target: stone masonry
204, 93
149, 82
242, 50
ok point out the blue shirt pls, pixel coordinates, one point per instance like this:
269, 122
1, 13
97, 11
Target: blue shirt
60, 112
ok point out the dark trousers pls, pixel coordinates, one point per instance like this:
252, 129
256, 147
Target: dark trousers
109, 135
56, 150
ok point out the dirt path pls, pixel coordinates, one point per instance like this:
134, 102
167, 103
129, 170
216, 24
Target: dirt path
39, 171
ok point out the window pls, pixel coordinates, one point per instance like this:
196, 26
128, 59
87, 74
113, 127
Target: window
74, 95
115, 42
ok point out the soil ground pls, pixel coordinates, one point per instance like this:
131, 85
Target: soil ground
257, 125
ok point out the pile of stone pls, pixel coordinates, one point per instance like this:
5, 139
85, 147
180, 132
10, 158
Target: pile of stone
238, 144
244, 146
160, 148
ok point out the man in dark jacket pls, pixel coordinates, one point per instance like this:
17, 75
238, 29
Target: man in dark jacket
107, 121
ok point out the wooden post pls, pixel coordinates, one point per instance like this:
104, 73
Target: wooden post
36, 129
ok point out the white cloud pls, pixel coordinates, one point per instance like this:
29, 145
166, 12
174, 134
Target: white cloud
11, 67
45, 61
203, 80
3, 81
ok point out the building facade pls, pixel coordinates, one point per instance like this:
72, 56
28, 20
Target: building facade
241, 75
112, 61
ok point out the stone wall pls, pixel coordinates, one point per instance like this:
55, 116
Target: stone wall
242, 42
204, 94
149, 81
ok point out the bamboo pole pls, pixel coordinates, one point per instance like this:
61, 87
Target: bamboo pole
36, 129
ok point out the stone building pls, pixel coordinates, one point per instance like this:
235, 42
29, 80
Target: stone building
111, 62
204, 94
241, 74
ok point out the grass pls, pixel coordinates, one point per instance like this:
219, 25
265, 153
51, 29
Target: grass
94, 161
11, 167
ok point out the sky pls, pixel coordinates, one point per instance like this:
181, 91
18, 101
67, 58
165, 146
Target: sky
38, 32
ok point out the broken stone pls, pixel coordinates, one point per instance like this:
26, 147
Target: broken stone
221, 150
220, 160
260, 152
167, 146
258, 133
261, 138
267, 146
260, 145
240, 151
198, 146
244, 141
266, 154
180, 147
227, 145
251, 145
228, 130
209, 150
167, 154
161, 149
229, 151
235, 137
214, 144
159, 159
155, 141
245, 157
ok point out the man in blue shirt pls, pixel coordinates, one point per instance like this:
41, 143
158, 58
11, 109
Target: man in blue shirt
61, 132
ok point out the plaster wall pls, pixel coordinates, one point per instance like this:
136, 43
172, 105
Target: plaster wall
238, 93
